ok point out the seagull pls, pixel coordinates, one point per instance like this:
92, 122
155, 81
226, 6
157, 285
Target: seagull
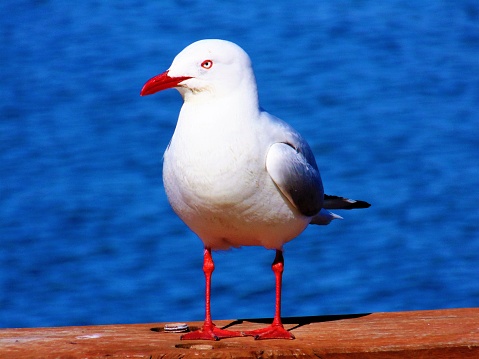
235, 174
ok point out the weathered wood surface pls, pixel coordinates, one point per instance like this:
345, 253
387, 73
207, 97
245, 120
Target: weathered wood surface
452, 333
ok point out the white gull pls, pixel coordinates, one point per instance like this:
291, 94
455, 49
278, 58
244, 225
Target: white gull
235, 174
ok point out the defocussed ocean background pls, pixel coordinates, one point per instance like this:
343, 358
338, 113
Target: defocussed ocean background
387, 94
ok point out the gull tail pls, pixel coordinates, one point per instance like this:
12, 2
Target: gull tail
324, 217
335, 202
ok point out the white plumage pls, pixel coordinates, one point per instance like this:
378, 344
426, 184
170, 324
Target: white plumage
236, 175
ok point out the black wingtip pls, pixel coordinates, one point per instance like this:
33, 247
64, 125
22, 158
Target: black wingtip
361, 204
337, 202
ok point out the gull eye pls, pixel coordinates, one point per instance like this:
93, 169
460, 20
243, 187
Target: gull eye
207, 64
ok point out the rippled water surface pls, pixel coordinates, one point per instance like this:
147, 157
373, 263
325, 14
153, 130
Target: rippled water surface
386, 94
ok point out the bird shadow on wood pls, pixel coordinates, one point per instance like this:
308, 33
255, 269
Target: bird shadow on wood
299, 321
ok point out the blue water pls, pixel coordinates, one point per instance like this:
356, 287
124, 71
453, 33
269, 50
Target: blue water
387, 94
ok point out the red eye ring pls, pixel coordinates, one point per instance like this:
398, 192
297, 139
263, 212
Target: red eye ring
207, 64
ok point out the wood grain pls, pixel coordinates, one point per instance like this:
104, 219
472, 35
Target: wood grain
451, 333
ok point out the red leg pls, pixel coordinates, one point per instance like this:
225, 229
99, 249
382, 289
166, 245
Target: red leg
276, 329
209, 330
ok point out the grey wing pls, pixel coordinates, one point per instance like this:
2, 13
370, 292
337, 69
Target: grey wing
295, 173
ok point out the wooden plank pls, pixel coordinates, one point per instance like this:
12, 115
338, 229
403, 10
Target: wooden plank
451, 333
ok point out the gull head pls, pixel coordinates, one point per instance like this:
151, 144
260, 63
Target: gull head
205, 70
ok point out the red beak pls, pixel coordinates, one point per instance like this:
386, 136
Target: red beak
161, 82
